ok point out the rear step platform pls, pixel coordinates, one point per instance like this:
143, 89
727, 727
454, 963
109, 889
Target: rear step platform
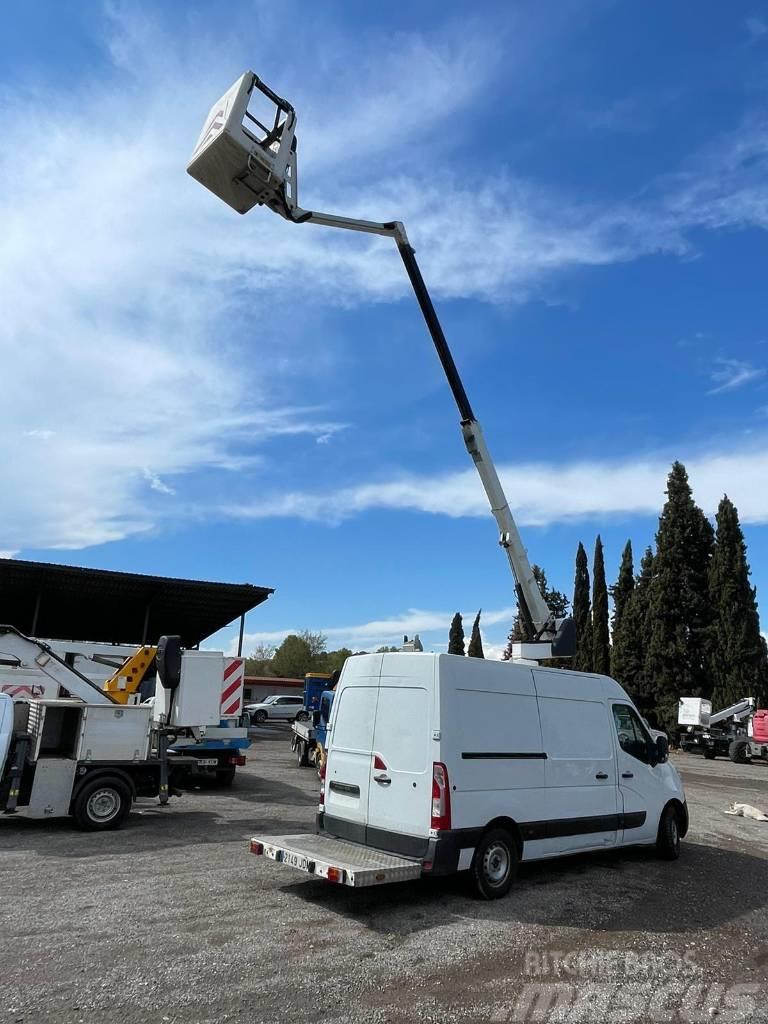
336, 859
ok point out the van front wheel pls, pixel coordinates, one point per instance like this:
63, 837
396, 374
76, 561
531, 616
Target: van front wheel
668, 839
494, 864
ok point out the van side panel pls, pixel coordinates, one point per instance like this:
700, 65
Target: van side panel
580, 805
490, 741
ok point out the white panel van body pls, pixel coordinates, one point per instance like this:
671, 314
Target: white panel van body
428, 754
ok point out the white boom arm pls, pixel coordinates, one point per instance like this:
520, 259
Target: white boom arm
23, 652
247, 162
539, 621
740, 710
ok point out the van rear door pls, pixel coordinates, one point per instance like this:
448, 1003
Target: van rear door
399, 804
350, 748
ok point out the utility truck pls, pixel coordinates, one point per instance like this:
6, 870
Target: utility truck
128, 673
438, 763
739, 731
80, 752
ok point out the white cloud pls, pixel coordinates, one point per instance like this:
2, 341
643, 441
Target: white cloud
756, 26
156, 484
543, 494
388, 631
730, 374
144, 323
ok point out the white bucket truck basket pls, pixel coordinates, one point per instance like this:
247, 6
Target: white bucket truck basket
694, 711
246, 153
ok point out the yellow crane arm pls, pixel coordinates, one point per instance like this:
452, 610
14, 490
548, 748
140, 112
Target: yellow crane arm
126, 680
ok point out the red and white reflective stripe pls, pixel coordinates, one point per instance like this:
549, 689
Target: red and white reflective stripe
14, 690
232, 691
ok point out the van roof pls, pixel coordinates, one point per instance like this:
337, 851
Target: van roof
610, 687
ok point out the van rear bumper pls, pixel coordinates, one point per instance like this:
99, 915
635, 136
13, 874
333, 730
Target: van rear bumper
445, 854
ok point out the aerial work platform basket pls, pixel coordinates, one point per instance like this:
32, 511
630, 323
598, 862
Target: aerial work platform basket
246, 153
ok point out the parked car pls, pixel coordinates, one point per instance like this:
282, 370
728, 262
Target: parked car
276, 707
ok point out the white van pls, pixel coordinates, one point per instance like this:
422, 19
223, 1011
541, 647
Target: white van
438, 763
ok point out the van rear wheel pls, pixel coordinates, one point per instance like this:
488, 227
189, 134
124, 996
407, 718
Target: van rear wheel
494, 864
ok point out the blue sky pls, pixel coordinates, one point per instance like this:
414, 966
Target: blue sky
192, 393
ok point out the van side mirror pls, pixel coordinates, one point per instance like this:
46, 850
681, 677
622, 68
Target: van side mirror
662, 749
169, 661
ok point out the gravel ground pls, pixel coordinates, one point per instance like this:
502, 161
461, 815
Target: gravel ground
171, 919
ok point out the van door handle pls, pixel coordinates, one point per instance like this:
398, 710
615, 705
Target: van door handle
601, 775
627, 775
383, 780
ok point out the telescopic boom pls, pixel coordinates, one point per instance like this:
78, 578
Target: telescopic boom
247, 163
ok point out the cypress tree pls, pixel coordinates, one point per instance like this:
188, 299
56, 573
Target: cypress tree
737, 651
680, 613
456, 635
624, 586
475, 649
630, 641
601, 640
582, 659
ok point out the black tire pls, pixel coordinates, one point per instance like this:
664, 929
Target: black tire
225, 776
494, 865
668, 838
301, 755
709, 755
739, 752
102, 804
259, 717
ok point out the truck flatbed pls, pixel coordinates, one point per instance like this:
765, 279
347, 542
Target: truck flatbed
304, 729
336, 859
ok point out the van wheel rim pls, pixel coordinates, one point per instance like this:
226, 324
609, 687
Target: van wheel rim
496, 863
103, 805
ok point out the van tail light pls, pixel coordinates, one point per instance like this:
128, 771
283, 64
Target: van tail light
378, 764
322, 785
237, 760
441, 798
257, 847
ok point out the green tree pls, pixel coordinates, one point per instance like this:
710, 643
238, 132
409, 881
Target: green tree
456, 635
259, 661
582, 618
624, 586
386, 650
679, 610
601, 640
630, 640
330, 661
516, 635
475, 649
737, 650
293, 658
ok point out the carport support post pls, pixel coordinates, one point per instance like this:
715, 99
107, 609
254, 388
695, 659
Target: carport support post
240, 638
145, 630
36, 614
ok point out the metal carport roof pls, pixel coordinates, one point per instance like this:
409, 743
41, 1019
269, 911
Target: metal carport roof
62, 602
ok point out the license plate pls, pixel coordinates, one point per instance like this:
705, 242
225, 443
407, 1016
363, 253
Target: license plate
295, 860
207, 762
